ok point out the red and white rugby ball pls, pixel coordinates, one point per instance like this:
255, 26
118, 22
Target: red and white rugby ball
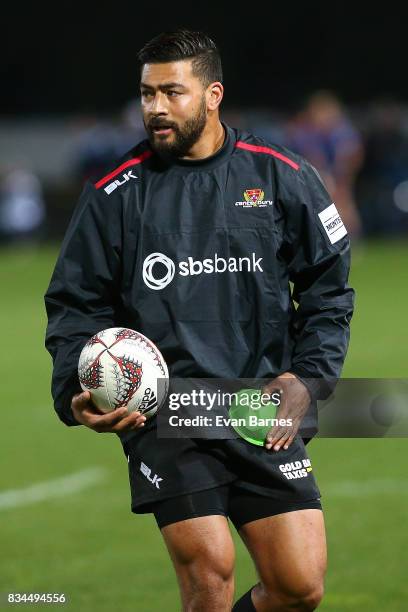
121, 367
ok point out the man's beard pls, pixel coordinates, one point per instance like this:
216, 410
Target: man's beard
185, 137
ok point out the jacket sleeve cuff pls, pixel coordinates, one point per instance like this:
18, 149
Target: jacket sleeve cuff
63, 407
319, 388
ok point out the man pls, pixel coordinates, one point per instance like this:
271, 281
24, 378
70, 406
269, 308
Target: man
141, 251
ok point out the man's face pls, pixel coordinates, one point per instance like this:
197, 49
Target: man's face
174, 107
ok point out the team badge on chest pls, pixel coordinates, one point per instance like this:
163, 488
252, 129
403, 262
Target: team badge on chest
254, 198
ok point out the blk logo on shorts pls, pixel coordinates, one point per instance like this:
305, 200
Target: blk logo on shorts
146, 471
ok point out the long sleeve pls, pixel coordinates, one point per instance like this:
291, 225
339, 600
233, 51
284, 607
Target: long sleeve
317, 251
80, 300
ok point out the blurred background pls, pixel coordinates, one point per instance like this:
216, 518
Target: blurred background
329, 85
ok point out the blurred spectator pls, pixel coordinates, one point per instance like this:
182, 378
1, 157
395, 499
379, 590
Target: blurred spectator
101, 142
325, 136
269, 125
22, 209
383, 183
97, 147
64, 153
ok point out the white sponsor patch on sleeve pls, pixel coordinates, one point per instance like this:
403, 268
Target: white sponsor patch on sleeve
332, 223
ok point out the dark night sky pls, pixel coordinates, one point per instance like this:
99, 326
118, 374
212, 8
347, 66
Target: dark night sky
84, 59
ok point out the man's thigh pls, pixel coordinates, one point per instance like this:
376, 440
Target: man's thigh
204, 540
197, 535
203, 556
288, 549
195, 527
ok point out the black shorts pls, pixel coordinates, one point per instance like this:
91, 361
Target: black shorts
239, 505
165, 468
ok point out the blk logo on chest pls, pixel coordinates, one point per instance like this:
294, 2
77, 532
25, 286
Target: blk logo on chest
117, 183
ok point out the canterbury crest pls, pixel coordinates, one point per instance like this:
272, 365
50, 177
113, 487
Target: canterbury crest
254, 198
254, 195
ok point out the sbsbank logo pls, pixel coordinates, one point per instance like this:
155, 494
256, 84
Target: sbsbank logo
159, 270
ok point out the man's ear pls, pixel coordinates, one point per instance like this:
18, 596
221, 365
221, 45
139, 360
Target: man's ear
214, 95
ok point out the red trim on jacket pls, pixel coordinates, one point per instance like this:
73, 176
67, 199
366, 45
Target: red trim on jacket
130, 162
257, 149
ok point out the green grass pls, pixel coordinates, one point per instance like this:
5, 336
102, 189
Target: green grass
89, 546
379, 333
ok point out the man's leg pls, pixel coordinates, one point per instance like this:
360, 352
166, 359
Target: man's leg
203, 554
289, 551
196, 531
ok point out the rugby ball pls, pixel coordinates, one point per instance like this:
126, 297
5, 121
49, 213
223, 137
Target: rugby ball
121, 367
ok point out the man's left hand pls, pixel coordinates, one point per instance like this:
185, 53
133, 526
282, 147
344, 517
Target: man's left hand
295, 400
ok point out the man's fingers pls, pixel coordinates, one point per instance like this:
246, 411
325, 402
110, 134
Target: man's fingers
276, 439
110, 418
141, 421
272, 439
84, 410
282, 442
102, 419
133, 421
289, 441
119, 422
80, 401
104, 422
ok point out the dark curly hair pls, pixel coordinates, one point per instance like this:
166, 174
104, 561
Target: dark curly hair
183, 45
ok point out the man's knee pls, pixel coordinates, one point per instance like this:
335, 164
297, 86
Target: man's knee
304, 597
208, 582
310, 599
211, 570
202, 552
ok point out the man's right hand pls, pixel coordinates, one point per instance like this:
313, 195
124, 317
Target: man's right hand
118, 420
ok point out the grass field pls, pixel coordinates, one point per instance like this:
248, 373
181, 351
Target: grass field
89, 546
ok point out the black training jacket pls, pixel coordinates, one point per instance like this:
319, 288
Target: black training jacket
198, 256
